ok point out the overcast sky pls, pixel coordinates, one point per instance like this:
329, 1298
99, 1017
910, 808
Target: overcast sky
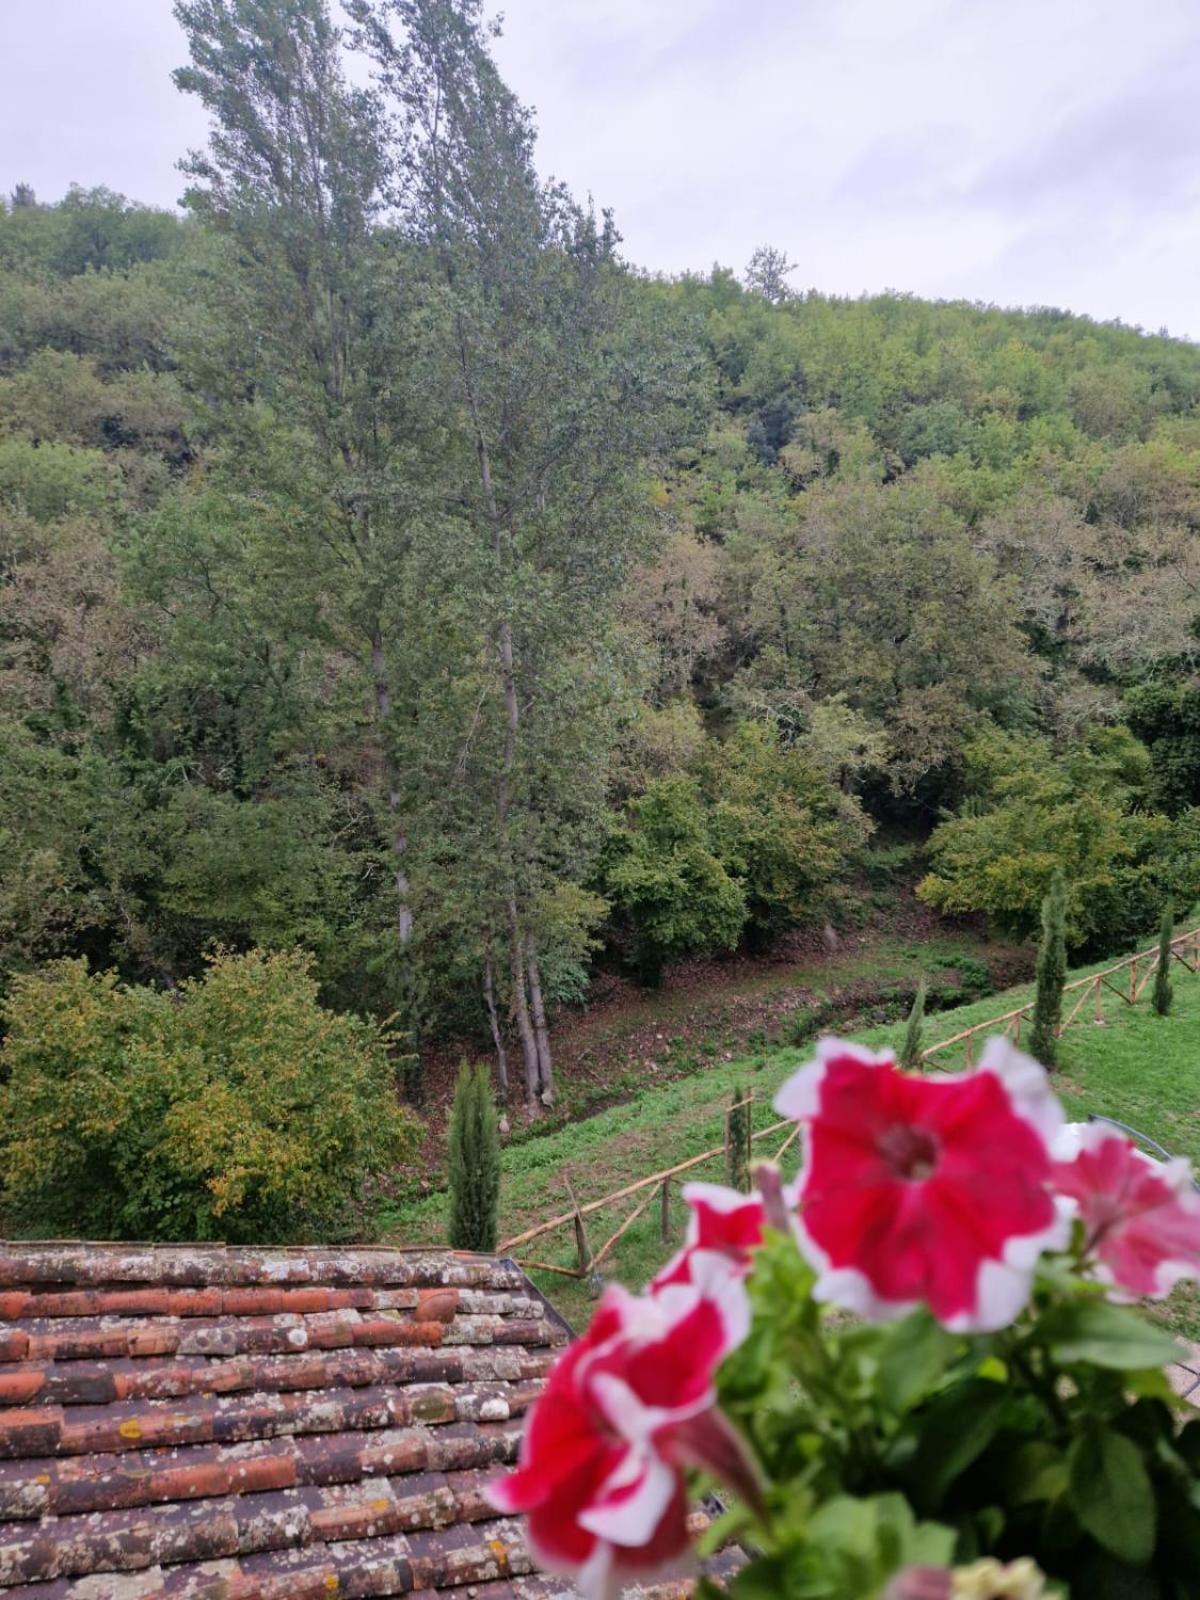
1021, 151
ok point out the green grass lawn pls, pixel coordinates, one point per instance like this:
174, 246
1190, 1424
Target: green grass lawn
1137, 1067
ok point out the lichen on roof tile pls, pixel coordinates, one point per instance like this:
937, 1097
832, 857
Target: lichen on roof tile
201, 1422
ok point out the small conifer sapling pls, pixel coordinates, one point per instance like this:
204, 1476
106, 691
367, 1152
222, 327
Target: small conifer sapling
1051, 974
910, 1054
474, 1162
738, 1148
1163, 988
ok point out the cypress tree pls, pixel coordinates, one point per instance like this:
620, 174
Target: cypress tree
910, 1054
738, 1149
1163, 990
1051, 974
474, 1162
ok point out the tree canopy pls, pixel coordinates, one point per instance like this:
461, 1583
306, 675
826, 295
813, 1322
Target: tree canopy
389, 571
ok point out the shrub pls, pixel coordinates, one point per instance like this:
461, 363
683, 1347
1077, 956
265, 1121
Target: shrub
666, 881
1030, 813
974, 981
1167, 717
779, 827
237, 1109
474, 1162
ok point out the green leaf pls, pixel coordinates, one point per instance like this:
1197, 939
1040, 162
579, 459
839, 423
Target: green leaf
1112, 1494
954, 1432
863, 1541
1188, 1445
1151, 1384
1179, 1545
1107, 1336
916, 1354
706, 1589
762, 1580
1037, 1471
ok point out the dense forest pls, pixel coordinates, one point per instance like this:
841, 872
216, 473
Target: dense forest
400, 589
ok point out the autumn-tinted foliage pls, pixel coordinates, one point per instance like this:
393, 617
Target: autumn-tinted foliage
236, 1109
453, 603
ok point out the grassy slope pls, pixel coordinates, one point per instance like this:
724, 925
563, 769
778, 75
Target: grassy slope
611, 1053
1142, 1069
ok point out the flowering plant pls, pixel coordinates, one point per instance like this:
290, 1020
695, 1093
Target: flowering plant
911, 1369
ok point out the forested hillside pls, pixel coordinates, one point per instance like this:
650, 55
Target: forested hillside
390, 571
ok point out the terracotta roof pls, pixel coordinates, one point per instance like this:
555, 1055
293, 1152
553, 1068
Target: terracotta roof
211, 1423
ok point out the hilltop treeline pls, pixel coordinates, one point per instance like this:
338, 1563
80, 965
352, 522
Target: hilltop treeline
388, 569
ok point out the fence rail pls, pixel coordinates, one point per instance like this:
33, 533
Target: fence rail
1138, 971
647, 1190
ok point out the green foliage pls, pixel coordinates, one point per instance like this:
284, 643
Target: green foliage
971, 977
1165, 715
1163, 988
47, 480
1051, 974
88, 231
1057, 1439
1082, 814
75, 853
235, 1108
910, 1051
473, 1162
354, 565
739, 1148
778, 826
664, 875
753, 841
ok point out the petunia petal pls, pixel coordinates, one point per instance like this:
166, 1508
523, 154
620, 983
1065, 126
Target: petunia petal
800, 1096
1027, 1083
629, 1507
1141, 1217
709, 1441
928, 1190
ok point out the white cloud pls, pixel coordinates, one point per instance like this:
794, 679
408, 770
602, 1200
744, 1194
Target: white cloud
1028, 151
869, 139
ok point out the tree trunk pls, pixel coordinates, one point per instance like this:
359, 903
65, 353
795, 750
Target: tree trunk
531, 1053
540, 1032
520, 1005
489, 994
399, 838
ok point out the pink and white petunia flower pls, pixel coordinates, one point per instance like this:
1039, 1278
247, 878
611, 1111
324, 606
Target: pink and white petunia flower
723, 1222
625, 1410
926, 1190
1141, 1217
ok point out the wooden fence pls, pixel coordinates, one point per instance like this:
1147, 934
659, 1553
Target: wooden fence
1128, 980
643, 1192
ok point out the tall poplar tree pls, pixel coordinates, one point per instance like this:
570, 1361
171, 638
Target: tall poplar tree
305, 356
563, 387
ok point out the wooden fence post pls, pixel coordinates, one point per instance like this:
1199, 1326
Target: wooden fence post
1099, 1015
582, 1248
